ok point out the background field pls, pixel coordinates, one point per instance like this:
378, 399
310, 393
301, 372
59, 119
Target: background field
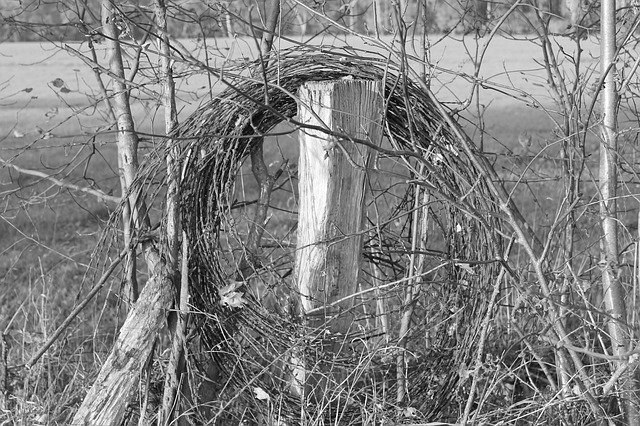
514, 100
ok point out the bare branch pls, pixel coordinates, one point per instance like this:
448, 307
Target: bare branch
62, 184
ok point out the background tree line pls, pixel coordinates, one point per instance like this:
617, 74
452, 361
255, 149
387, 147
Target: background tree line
193, 19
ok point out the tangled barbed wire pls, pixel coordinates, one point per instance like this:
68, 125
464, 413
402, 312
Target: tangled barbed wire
431, 253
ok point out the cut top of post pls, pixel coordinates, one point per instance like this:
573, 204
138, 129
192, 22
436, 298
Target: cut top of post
347, 107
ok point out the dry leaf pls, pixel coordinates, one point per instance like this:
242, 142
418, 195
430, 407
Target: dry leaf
230, 297
466, 267
261, 394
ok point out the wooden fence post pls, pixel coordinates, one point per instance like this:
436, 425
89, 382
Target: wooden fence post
332, 173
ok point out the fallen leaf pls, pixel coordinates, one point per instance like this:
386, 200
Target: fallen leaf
230, 297
409, 412
58, 82
466, 267
261, 394
233, 299
52, 112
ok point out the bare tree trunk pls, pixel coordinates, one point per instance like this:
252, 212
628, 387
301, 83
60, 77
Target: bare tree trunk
175, 369
419, 235
575, 11
270, 28
228, 24
171, 122
4, 377
555, 7
131, 289
175, 378
108, 398
127, 137
481, 10
127, 141
127, 163
382, 16
614, 294
302, 18
355, 18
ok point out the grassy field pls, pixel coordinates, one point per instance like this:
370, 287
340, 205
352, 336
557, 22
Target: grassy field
51, 120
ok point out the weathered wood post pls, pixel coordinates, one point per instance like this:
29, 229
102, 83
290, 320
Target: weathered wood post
332, 173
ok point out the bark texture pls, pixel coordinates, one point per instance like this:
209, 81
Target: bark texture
174, 374
107, 400
614, 293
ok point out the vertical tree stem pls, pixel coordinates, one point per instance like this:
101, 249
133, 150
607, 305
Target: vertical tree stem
107, 400
270, 28
614, 293
416, 263
176, 358
131, 280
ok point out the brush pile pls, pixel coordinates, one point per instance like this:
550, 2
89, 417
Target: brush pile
431, 255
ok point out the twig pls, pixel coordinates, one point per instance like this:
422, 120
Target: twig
373, 289
177, 363
483, 335
4, 378
633, 359
98, 194
115, 77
